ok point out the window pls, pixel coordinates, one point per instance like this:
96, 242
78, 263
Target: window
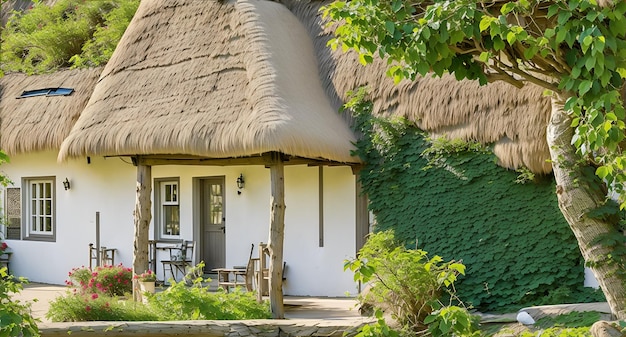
13, 213
39, 208
167, 216
47, 92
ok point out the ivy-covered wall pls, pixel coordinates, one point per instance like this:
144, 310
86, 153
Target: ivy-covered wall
512, 237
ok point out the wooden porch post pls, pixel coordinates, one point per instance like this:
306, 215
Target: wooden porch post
142, 216
277, 235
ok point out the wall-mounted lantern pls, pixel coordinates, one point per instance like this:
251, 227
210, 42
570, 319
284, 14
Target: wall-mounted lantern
66, 184
240, 183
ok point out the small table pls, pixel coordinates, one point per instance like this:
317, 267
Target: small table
230, 277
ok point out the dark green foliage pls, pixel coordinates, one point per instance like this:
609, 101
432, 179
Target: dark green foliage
15, 316
69, 33
512, 237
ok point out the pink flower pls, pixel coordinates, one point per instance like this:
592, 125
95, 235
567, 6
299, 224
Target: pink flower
87, 308
94, 296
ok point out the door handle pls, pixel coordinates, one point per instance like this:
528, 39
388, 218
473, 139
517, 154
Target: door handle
223, 228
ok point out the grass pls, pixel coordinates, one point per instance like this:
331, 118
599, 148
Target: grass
574, 324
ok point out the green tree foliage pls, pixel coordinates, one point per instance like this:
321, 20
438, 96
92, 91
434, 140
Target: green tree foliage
574, 48
76, 33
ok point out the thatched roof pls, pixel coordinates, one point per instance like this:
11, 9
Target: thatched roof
513, 120
212, 79
42, 122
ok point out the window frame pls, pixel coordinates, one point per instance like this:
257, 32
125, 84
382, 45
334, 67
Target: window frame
46, 92
159, 203
27, 199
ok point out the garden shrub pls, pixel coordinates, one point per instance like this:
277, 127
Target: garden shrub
15, 316
409, 285
69, 33
178, 302
108, 280
80, 307
197, 302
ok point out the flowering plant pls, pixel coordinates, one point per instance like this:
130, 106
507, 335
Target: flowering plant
3, 247
148, 276
110, 280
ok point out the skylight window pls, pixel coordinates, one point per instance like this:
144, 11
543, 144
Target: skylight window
47, 92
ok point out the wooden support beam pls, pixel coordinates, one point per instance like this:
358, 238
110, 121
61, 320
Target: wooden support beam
142, 216
277, 235
264, 159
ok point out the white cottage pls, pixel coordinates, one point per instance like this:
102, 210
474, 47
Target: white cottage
196, 95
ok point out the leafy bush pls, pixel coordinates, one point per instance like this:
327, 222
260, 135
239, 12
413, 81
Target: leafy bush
15, 317
79, 307
178, 302
71, 32
452, 320
196, 302
408, 285
378, 329
108, 280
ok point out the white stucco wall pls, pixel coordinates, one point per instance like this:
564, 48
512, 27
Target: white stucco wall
311, 270
107, 185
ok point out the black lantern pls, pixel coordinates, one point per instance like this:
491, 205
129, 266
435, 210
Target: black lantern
66, 184
240, 182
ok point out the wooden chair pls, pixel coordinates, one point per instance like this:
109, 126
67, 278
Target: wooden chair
237, 276
105, 257
262, 272
181, 257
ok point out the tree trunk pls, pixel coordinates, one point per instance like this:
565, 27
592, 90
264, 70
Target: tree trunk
277, 235
578, 194
142, 216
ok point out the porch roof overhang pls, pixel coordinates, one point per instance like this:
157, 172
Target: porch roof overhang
266, 159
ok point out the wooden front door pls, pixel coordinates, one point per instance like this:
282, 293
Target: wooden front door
213, 222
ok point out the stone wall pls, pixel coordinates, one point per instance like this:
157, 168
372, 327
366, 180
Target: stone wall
262, 328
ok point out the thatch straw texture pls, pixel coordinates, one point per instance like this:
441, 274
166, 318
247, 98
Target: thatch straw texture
41, 123
212, 79
513, 120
